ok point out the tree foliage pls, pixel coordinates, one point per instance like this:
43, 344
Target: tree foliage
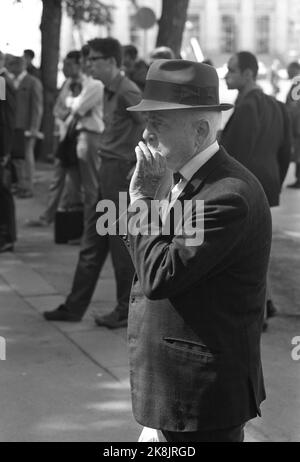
93, 11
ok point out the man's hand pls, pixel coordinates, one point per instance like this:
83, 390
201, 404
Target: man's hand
149, 172
148, 435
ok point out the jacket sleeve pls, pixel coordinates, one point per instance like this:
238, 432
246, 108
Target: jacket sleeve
240, 134
37, 106
166, 265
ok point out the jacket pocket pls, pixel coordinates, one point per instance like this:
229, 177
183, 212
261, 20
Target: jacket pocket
190, 347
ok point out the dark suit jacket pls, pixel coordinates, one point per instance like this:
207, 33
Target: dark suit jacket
258, 135
196, 313
29, 104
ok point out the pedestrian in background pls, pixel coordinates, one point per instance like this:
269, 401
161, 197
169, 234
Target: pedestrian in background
29, 56
65, 188
29, 112
8, 234
258, 133
121, 133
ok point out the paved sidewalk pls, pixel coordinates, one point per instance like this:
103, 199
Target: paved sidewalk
69, 382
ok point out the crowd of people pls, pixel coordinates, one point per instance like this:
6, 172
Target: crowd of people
188, 303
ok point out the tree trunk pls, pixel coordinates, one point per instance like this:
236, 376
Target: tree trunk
50, 29
172, 24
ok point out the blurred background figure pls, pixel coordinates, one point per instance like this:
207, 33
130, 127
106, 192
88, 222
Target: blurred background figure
293, 106
65, 188
7, 122
31, 69
161, 53
135, 69
258, 134
29, 112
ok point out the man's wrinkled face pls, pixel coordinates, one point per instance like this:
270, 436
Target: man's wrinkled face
171, 134
234, 77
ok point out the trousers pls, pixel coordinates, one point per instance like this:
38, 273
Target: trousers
113, 178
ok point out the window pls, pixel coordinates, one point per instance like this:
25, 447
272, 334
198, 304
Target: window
228, 37
263, 34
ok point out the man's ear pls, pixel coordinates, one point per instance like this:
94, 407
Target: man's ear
202, 128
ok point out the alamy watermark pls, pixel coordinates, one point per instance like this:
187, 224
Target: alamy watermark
2, 89
2, 349
157, 218
296, 350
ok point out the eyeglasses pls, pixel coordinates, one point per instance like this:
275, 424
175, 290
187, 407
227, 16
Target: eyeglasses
95, 58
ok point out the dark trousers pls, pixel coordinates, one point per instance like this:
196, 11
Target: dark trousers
95, 248
230, 435
7, 212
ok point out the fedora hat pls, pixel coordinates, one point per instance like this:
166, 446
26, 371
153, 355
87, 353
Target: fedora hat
180, 84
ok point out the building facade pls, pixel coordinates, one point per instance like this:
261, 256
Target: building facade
269, 28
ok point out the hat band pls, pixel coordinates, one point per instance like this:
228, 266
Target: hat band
191, 95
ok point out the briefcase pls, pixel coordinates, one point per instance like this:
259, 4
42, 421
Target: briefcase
68, 226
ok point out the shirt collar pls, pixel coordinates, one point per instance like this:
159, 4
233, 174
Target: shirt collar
189, 169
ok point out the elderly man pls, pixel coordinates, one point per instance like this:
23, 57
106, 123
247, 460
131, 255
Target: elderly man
196, 309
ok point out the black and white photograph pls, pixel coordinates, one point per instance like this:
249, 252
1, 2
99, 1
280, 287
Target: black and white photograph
149, 224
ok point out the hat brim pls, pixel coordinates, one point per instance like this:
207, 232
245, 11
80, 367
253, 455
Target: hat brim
147, 105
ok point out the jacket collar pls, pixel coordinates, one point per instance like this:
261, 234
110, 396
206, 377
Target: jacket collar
195, 184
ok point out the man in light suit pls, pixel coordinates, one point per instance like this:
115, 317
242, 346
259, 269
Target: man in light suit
29, 112
196, 311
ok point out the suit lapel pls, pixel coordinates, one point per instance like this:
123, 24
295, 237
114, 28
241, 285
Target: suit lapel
197, 181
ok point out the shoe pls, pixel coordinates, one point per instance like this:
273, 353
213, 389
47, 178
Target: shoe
295, 185
61, 314
39, 223
113, 320
271, 309
6, 247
